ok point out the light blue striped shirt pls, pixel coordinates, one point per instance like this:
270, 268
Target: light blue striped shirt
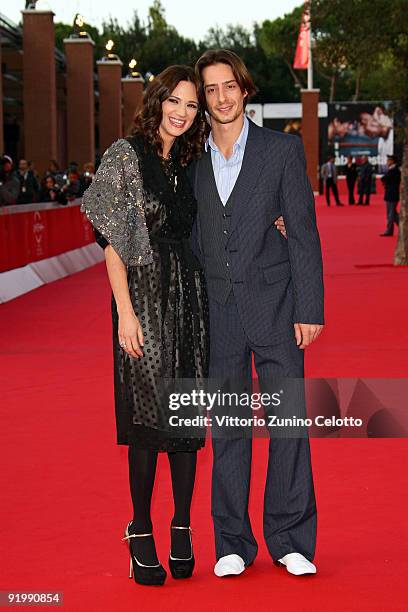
226, 171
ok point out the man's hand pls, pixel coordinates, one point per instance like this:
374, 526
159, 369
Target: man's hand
306, 333
280, 225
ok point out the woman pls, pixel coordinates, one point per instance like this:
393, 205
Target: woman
142, 208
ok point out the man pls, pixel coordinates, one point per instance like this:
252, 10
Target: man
391, 181
265, 299
29, 187
365, 174
351, 177
329, 176
9, 183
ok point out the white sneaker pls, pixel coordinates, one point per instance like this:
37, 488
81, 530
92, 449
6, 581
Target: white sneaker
297, 564
230, 565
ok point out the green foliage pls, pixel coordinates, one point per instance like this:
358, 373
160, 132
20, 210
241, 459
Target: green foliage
63, 30
360, 49
395, 32
157, 19
278, 38
129, 41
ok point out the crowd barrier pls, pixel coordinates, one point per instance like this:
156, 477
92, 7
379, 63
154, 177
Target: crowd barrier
31, 232
42, 242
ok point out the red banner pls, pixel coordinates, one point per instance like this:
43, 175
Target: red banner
40, 233
302, 55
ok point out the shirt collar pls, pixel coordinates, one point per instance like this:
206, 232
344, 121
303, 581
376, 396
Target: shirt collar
239, 143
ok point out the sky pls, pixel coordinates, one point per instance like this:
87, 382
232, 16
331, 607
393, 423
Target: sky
190, 17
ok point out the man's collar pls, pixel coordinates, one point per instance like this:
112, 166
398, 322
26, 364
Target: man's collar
240, 142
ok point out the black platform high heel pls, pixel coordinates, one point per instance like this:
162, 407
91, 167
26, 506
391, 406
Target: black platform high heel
182, 568
149, 575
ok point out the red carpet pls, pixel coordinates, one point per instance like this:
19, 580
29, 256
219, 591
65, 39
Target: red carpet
61, 462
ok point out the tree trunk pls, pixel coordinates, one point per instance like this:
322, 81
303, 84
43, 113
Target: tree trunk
294, 75
332, 88
358, 85
401, 250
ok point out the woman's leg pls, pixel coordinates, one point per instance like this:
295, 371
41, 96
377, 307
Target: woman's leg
183, 470
142, 471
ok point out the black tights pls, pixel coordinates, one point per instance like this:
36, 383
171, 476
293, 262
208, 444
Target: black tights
142, 471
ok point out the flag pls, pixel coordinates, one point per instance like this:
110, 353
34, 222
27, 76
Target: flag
302, 55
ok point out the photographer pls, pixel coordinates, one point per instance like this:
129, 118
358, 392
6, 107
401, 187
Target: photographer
9, 182
51, 192
87, 176
72, 187
29, 187
55, 171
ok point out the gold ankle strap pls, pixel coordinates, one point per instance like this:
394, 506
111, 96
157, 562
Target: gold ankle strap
137, 535
175, 527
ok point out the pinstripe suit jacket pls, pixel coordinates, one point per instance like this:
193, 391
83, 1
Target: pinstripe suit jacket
276, 281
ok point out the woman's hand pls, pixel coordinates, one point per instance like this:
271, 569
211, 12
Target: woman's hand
280, 225
130, 334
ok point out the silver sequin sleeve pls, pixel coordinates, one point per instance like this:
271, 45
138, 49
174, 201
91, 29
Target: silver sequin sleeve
114, 204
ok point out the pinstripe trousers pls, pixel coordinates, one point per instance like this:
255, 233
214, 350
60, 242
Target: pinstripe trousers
289, 518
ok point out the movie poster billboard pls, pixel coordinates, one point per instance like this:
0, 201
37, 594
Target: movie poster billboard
361, 128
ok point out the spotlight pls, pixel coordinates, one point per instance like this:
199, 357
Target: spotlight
78, 27
79, 20
109, 55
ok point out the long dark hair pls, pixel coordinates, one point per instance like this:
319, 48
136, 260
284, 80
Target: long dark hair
147, 120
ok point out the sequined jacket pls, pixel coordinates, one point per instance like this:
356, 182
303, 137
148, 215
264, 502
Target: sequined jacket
114, 204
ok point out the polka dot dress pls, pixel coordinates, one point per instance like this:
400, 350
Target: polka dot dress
170, 300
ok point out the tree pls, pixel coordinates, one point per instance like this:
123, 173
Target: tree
164, 45
330, 46
344, 33
278, 39
157, 18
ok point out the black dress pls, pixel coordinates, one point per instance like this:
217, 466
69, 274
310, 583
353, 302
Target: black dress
169, 297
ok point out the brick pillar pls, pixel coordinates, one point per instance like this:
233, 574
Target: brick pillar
79, 53
110, 102
132, 90
39, 82
310, 134
1, 107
